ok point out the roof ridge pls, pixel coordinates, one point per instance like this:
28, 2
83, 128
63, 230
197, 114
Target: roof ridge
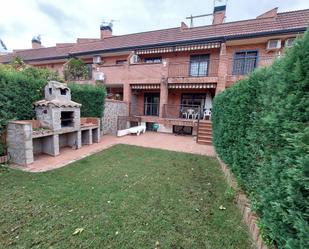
292, 11
199, 27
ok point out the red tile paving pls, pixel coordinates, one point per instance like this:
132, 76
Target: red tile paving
152, 140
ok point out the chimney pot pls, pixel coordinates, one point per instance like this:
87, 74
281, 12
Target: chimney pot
36, 42
106, 30
219, 14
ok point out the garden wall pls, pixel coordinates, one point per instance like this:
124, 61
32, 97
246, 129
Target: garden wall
113, 109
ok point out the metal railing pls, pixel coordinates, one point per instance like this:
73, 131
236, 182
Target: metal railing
244, 66
124, 122
193, 112
207, 68
146, 109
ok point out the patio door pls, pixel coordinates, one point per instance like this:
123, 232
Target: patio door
151, 104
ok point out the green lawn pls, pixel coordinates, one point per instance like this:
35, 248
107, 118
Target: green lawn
123, 197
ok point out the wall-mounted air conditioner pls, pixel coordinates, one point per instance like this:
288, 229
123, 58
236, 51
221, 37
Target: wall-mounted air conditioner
273, 44
99, 76
289, 42
97, 59
134, 59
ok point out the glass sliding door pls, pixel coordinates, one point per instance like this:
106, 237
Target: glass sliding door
151, 104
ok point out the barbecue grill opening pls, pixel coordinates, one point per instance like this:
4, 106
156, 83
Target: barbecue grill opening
67, 119
63, 91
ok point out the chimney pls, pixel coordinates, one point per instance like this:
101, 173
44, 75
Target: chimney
219, 14
106, 30
36, 42
183, 26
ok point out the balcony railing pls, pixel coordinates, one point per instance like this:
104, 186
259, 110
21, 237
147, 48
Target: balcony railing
207, 68
134, 73
244, 66
192, 112
147, 109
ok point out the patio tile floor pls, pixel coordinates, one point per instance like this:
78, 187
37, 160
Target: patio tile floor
149, 139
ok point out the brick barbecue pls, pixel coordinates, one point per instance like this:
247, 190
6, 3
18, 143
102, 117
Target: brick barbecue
58, 125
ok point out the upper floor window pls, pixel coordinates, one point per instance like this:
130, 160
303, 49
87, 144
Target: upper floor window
199, 65
244, 62
89, 71
153, 60
289, 42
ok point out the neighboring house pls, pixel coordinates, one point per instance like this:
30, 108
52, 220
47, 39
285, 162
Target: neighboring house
170, 76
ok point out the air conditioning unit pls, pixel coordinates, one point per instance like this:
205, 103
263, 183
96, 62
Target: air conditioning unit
134, 59
289, 42
99, 76
273, 44
97, 59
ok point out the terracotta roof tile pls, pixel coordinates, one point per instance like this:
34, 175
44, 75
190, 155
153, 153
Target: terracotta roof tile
283, 21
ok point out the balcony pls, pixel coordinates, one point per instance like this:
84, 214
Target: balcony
146, 109
187, 112
146, 73
133, 73
188, 72
238, 68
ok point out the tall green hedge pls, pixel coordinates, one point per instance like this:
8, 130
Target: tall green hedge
261, 130
92, 98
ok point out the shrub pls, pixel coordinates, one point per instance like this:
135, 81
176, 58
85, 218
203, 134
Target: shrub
20, 85
92, 98
260, 128
76, 69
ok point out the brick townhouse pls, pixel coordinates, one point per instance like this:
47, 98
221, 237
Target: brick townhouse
169, 77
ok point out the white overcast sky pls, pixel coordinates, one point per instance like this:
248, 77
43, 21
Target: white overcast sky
65, 20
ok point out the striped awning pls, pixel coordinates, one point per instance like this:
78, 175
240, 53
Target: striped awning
197, 46
155, 50
145, 86
191, 85
179, 48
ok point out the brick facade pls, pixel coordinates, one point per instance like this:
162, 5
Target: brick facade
161, 61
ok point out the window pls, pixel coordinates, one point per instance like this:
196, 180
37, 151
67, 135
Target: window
244, 62
199, 65
153, 60
289, 42
120, 62
89, 71
193, 100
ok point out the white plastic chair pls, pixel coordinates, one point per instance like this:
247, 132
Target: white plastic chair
197, 115
184, 114
207, 113
191, 113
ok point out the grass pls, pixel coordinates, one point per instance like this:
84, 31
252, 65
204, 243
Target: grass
123, 197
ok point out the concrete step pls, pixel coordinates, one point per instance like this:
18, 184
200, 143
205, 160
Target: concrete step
206, 142
204, 137
205, 125
204, 129
205, 121
202, 133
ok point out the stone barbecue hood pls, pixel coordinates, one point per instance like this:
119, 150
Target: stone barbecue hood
57, 103
57, 95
